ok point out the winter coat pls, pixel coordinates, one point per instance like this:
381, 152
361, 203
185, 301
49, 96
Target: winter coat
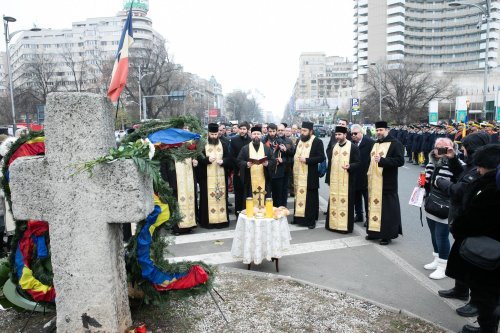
479, 218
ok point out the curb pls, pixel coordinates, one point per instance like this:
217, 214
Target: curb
334, 290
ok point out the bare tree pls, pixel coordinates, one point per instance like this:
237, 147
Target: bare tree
78, 65
244, 108
39, 77
406, 90
164, 76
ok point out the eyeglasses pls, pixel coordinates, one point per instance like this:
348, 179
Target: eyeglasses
280, 130
354, 133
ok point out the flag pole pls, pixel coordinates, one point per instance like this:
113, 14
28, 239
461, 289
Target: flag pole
117, 104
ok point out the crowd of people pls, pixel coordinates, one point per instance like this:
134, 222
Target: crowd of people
275, 161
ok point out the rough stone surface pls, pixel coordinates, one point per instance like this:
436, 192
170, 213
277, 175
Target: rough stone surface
83, 211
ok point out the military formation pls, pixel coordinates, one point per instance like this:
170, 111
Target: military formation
419, 139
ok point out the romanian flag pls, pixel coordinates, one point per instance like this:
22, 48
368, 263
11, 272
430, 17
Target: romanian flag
120, 68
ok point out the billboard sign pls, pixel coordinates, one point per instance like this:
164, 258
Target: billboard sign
461, 107
433, 112
213, 113
354, 104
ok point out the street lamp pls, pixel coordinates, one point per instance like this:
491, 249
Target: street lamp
486, 12
8, 37
140, 91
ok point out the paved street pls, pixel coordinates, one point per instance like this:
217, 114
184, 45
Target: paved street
392, 275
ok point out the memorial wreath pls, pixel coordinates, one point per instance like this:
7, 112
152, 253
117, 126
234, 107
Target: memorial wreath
147, 268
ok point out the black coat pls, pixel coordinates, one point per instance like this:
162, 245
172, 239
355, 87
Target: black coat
316, 156
465, 175
390, 164
365, 148
278, 170
235, 146
479, 218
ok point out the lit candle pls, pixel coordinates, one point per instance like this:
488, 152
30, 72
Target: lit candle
249, 207
269, 208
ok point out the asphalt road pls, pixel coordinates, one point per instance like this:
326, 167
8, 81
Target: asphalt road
392, 275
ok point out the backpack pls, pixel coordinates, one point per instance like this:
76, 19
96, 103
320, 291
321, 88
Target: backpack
322, 168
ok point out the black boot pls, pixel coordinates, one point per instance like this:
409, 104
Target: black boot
454, 293
468, 310
470, 329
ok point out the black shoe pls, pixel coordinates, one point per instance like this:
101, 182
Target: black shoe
384, 241
470, 329
365, 224
453, 293
370, 237
410, 161
358, 218
468, 310
312, 226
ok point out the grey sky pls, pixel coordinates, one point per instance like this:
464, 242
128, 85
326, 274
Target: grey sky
248, 45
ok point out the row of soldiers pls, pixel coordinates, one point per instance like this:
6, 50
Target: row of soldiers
419, 139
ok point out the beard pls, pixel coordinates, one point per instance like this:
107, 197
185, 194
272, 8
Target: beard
256, 142
213, 141
305, 138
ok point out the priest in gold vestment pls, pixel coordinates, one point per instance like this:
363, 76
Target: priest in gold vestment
308, 154
343, 161
255, 161
212, 176
384, 212
181, 177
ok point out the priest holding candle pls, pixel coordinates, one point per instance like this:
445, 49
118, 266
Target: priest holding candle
343, 161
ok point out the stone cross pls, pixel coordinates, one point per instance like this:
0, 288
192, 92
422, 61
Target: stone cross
84, 212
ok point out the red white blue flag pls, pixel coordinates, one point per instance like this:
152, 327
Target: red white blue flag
120, 68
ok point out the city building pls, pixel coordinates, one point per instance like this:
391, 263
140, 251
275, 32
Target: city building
74, 56
449, 41
431, 32
319, 85
80, 58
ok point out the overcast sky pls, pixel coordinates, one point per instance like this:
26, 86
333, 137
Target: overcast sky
248, 45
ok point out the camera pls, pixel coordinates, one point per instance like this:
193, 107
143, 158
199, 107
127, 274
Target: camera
442, 151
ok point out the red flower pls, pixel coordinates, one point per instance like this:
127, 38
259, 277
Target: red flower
192, 146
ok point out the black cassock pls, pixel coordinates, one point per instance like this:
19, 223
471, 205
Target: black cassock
316, 156
202, 181
243, 157
391, 211
167, 171
354, 164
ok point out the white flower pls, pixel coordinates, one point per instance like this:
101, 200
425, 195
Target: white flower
151, 148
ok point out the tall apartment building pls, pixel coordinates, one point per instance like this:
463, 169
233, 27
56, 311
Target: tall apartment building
431, 32
81, 48
322, 76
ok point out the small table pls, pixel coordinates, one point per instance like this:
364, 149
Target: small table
259, 238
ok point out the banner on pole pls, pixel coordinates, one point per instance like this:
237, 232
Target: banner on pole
433, 112
461, 108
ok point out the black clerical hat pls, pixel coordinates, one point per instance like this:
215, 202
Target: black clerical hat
256, 129
213, 128
308, 125
381, 124
340, 129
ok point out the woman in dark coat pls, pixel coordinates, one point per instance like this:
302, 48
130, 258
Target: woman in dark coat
479, 218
